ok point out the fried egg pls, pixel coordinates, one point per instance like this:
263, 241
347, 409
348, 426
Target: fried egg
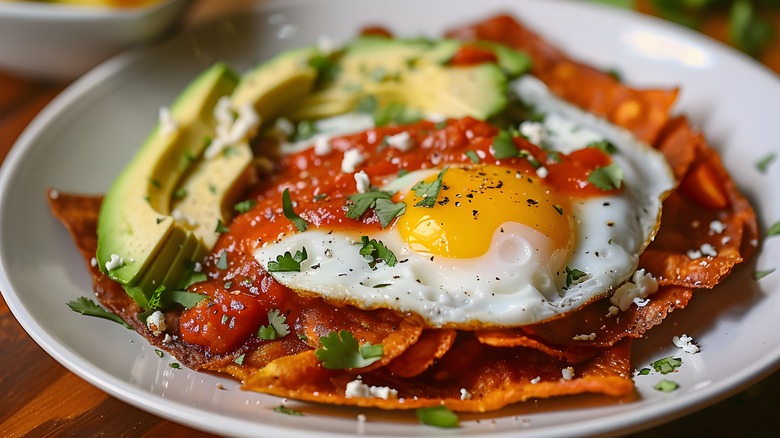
498, 247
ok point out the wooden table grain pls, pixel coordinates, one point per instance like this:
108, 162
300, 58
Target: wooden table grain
39, 397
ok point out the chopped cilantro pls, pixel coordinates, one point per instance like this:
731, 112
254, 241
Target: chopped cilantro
381, 201
471, 155
438, 416
185, 298
503, 146
340, 350
156, 298
367, 104
277, 326
758, 275
666, 365
607, 177
290, 214
429, 191
285, 410
559, 209
305, 130
221, 228
377, 251
222, 262
86, 306
748, 30
644, 371
396, 113
244, 206
604, 145
174, 365
666, 386
763, 164
158, 352
327, 67
774, 230
573, 275
240, 359
288, 262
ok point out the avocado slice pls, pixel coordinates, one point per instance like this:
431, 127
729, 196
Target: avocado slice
135, 223
411, 72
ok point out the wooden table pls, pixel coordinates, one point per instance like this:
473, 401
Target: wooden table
39, 397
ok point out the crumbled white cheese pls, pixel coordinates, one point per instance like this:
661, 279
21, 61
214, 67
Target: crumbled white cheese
322, 145
361, 418
641, 285
54, 194
168, 339
93, 262
705, 250
725, 240
536, 380
167, 123
362, 182
614, 310
231, 131
401, 141
156, 323
717, 227
284, 126
183, 219
584, 337
542, 172
567, 373
464, 394
352, 158
198, 267
535, 132
686, 343
115, 262
640, 302
357, 388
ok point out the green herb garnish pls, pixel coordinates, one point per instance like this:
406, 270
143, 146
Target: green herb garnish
377, 251
607, 177
285, 410
277, 326
86, 306
573, 275
290, 214
666, 386
380, 201
340, 350
763, 164
222, 262
604, 145
471, 155
666, 365
429, 191
288, 262
221, 228
244, 206
504, 146
774, 230
758, 275
438, 416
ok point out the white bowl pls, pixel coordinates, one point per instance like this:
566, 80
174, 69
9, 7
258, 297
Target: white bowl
61, 42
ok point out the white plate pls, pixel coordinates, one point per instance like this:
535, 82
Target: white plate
82, 140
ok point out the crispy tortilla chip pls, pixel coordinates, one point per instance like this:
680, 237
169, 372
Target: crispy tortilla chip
644, 112
470, 377
431, 345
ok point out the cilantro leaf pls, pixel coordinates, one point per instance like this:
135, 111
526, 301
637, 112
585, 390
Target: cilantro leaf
86, 306
504, 146
288, 262
644, 371
244, 206
774, 230
604, 145
290, 214
340, 350
763, 164
666, 365
748, 31
156, 298
471, 155
607, 177
666, 386
185, 298
221, 228
222, 262
305, 130
572, 275
277, 326
378, 252
285, 410
758, 275
396, 113
429, 191
438, 416
386, 210
240, 359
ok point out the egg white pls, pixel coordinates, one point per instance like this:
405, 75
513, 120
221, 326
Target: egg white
521, 279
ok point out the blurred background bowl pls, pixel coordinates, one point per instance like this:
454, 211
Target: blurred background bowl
60, 41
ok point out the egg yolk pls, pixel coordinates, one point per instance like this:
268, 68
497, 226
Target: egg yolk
471, 206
